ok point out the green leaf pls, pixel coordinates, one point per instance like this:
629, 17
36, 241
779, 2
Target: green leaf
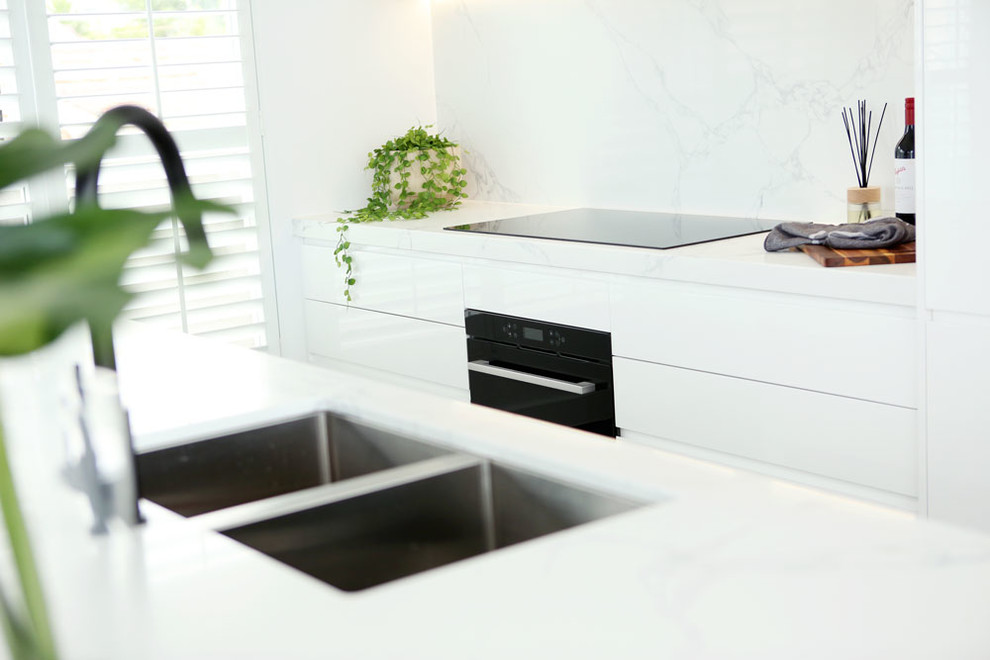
61, 270
72, 274
34, 151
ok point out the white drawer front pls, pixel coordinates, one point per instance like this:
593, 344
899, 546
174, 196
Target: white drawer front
395, 284
408, 347
856, 441
856, 350
529, 293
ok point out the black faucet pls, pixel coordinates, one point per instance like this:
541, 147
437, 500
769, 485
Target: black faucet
117, 495
178, 183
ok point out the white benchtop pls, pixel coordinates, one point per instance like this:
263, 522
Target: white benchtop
740, 262
726, 564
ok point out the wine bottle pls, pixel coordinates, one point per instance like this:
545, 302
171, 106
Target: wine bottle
904, 167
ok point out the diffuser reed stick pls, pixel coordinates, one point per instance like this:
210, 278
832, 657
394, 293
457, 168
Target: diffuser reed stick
859, 132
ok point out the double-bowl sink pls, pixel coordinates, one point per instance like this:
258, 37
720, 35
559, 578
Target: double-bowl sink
355, 505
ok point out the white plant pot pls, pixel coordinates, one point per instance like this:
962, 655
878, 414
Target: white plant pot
416, 177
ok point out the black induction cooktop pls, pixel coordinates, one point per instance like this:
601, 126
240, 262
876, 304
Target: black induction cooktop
626, 228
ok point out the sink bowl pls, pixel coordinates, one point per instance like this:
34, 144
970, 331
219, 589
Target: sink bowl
220, 472
357, 541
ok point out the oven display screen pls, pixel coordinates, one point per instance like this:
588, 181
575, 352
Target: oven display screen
533, 334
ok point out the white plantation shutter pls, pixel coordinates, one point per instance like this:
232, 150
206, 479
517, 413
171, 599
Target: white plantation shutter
14, 200
182, 61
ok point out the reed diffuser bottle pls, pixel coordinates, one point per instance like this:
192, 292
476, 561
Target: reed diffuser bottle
863, 201
862, 204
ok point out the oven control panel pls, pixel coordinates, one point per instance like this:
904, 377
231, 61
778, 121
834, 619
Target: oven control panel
530, 333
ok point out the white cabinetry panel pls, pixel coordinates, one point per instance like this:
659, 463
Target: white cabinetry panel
856, 350
856, 441
958, 420
564, 297
396, 284
952, 230
409, 347
953, 154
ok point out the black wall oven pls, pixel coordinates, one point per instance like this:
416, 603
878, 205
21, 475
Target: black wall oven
552, 372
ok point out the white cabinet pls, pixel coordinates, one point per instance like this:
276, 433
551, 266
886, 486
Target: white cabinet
859, 350
958, 421
805, 385
429, 289
821, 390
553, 295
953, 226
953, 148
384, 344
405, 322
850, 440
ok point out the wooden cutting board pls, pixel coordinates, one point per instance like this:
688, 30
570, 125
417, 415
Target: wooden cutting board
829, 257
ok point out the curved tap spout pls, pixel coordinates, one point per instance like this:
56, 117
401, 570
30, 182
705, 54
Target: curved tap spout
87, 193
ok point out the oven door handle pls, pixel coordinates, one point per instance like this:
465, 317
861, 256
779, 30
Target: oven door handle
485, 367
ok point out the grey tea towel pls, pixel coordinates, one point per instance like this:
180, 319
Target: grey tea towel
876, 233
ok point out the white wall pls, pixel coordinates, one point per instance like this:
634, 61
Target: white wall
336, 78
718, 106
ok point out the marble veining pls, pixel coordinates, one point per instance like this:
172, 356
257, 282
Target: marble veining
701, 106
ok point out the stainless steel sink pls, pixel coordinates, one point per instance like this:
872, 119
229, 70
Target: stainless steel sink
360, 538
356, 505
220, 472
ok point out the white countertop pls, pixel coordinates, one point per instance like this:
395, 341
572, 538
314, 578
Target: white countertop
740, 262
726, 564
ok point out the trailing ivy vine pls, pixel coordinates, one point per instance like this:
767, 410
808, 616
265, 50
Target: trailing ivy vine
414, 175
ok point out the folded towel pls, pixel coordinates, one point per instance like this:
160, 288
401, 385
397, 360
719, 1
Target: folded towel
876, 233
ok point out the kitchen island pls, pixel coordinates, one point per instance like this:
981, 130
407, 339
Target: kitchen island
722, 563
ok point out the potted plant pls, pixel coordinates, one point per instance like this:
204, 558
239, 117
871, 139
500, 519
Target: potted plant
57, 272
413, 175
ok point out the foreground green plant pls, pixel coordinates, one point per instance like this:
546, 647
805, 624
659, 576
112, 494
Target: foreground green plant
55, 273
414, 175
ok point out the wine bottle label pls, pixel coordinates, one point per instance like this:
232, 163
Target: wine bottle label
904, 185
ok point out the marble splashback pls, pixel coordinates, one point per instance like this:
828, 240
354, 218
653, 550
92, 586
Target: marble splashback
729, 107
